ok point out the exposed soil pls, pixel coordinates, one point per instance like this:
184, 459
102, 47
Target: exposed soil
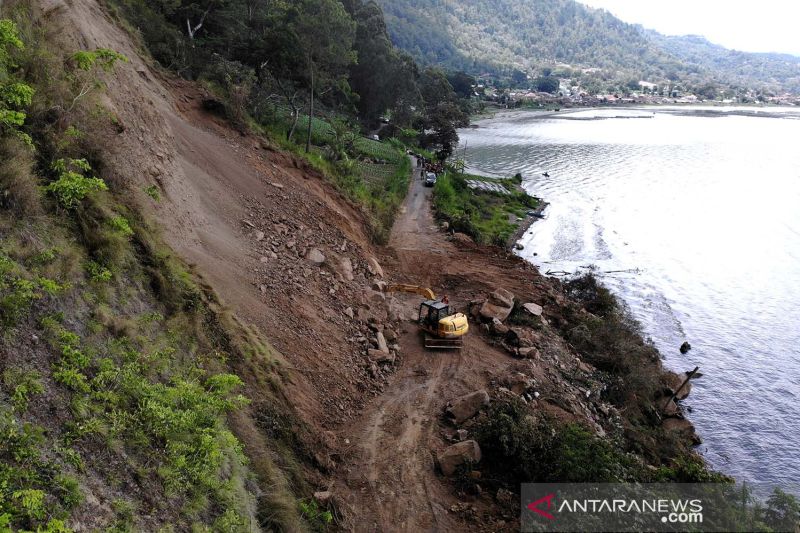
250, 220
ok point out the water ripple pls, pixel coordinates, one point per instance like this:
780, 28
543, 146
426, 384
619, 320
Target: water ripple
706, 208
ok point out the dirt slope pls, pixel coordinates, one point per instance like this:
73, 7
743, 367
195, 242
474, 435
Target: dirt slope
243, 215
290, 255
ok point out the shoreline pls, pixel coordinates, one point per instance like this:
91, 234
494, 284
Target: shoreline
525, 225
698, 109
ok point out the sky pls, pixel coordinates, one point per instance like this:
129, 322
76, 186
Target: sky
764, 26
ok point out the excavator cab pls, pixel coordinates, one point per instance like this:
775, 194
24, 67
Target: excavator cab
431, 311
444, 326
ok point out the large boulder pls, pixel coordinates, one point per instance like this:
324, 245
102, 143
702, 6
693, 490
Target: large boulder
532, 308
498, 306
374, 267
346, 267
315, 256
490, 311
466, 452
465, 407
379, 356
502, 297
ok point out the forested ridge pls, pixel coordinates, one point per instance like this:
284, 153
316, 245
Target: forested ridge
499, 35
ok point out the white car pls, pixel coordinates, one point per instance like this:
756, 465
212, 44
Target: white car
430, 179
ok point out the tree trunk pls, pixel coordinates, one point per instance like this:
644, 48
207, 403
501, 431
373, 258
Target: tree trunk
310, 110
296, 113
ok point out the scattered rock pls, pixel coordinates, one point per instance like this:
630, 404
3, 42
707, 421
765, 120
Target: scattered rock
461, 435
502, 297
529, 353
518, 382
465, 407
347, 268
276, 185
382, 346
685, 347
378, 285
390, 335
374, 267
323, 496
498, 306
532, 308
379, 356
498, 328
461, 237
248, 223
504, 497
259, 236
349, 313
467, 452
315, 256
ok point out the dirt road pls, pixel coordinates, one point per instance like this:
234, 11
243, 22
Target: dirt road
390, 479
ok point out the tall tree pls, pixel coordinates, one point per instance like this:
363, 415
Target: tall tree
325, 34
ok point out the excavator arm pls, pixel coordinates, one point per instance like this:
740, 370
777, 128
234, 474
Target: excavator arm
413, 289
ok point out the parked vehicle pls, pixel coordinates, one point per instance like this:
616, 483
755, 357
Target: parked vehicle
430, 179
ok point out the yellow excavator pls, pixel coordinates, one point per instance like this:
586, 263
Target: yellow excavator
444, 328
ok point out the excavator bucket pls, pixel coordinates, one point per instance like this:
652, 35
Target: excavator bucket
436, 343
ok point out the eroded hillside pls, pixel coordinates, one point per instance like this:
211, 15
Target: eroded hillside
238, 259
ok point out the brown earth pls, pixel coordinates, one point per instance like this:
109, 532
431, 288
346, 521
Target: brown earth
249, 219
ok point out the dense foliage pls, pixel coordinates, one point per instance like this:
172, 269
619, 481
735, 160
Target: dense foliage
498, 36
295, 55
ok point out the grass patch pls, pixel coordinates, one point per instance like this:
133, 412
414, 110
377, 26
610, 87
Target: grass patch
487, 217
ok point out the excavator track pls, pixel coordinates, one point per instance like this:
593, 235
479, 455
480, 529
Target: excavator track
436, 343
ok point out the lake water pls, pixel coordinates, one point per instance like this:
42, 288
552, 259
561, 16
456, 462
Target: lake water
702, 209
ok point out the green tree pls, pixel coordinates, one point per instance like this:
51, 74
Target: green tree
547, 84
325, 34
15, 96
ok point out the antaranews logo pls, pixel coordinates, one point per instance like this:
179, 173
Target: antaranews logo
612, 507
548, 501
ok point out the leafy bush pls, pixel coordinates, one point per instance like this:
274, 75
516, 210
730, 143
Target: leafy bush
98, 273
596, 298
23, 385
26, 477
72, 186
121, 225
15, 96
524, 448
152, 192
318, 518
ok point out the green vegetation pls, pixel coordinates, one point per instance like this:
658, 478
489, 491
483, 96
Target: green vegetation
72, 185
487, 217
563, 37
119, 369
